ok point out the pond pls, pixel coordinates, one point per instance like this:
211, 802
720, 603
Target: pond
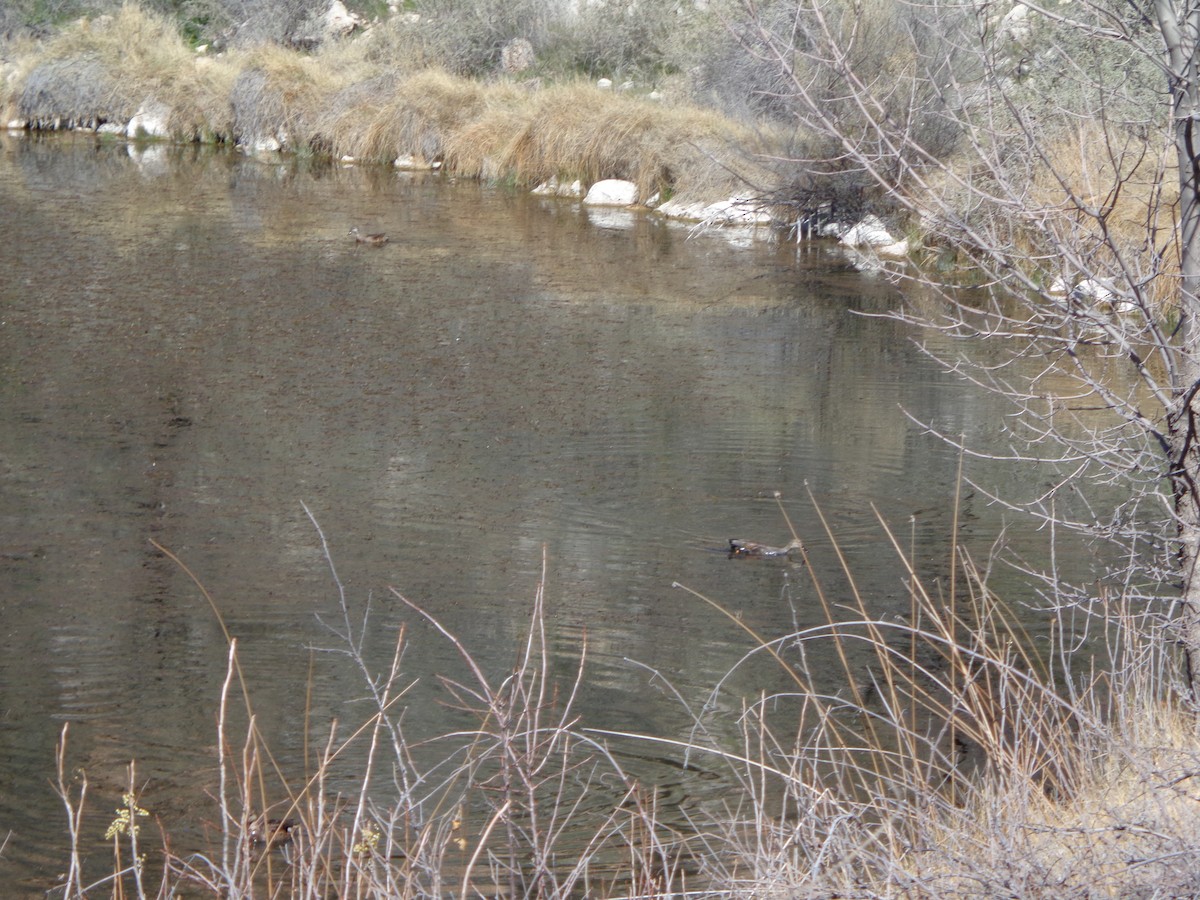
194, 353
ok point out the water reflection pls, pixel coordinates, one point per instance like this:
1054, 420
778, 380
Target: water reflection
191, 348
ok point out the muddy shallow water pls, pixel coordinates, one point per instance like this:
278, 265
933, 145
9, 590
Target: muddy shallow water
192, 351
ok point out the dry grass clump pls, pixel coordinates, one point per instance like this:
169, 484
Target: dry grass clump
280, 94
577, 132
954, 763
480, 150
351, 100
417, 115
1125, 828
497, 806
962, 765
104, 69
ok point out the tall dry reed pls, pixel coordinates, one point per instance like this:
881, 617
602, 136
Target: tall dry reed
969, 761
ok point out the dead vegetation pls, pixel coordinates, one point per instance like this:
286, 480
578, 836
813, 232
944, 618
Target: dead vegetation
963, 764
351, 100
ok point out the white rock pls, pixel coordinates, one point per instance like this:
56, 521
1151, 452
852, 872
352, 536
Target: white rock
1093, 291
411, 163
516, 56
339, 21
868, 233
150, 120
612, 192
605, 84
1058, 286
676, 209
114, 128
1015, 26
735, 211
17, 125
898, 250
554, 188
267, 144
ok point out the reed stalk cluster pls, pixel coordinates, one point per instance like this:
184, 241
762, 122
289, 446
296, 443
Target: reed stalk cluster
958, 762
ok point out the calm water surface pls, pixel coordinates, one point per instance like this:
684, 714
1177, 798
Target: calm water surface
192, 350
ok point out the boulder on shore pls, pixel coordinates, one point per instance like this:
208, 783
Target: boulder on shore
612, 192
870, 232
150, 121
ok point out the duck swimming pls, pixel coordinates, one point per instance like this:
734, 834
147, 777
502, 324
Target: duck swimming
272, 833
375, 240
755, 550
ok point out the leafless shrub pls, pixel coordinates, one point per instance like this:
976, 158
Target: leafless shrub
622, 39
1085, 259
901, 46
946, 758
246, 23
39, 18
467, 36
953, 760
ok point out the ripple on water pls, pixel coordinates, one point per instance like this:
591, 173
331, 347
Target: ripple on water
196, 359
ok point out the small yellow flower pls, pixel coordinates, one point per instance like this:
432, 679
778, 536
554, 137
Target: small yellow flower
369, 840
124, 822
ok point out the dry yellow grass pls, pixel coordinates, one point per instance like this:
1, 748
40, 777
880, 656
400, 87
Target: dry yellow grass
421, 114
575, 131
479, 149
353, 99
1127, 825
1133, 189
141, 57
282, 93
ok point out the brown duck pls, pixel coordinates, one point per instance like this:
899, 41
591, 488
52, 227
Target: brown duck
755, 550
272, 833
373, 240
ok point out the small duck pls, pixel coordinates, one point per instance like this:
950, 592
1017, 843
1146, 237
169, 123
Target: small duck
755, 550
272, 833
372, 240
